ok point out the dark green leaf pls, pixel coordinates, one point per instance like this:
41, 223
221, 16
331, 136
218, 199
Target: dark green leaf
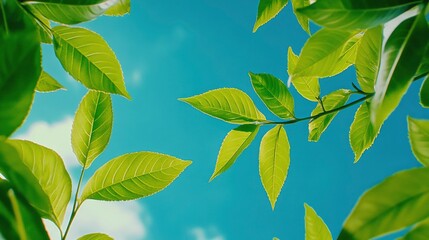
47, 83
267, 10
424, 93
418, 131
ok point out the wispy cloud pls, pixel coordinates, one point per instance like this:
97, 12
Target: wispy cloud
210, 233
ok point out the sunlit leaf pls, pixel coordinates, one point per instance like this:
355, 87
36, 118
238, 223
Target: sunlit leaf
399, 201
327, 53
267, 10
92, 127
43, 28
95, 236
418, 131
19, 220
330, 102
233, 145
122, 7
274, 93
399, 62
308, 87
88, 59
424, 93
362, 132
48, 168
315, 228
19, 65
70, 11
351, 14
302, 19
274, 160
132, 176
368, 58
418, 232
228, 104
47, 83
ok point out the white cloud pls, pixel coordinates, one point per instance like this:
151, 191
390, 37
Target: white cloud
211, 233
56, 136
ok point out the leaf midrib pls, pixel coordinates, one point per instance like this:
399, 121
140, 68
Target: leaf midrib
92, 133
290, 113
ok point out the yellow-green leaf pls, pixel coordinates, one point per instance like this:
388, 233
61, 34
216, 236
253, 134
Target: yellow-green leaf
424, 93
121, 8
419, 232
92, 127
330, 102
133, 176
229, 104
88, 59
315, 228
47, 83
274, 161
267, 10
274, 93
233, 145
95, 236
302, 19
308, 87
418, 131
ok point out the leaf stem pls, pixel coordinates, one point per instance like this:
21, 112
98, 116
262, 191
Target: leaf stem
311, 118
6, 27
76, 205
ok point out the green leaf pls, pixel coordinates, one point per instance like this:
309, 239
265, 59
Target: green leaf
398, 202
133, 176
424, 93
70, 11
47, 83
362, 132
327, 53
274, 93
20, 68
351, 14
267, 10
308, 87
49, 170
418, 131
315, 228
275, 238
92, 127
302, 19
43, 26
22, 179
424, 64
87, 57
274, 160
229, 104
233, 145
399, 62
419, 232
368, 58
121, 8
95, 236
19, 220
331, 101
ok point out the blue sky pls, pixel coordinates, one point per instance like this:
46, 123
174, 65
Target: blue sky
171, 51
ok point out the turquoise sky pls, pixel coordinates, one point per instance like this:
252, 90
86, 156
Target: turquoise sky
179, 49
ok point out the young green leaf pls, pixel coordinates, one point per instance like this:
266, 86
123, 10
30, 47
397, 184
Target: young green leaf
20, 68
397, 202
274, 93
43, 26
399, 62
350, 14
70, 11
327, 53
233, 145
308, 87
229, 104
48, 168
88, 59
362, 132
19, 220
133, 176
418, 131
424, 64
424, 93
330, 102
368, 58
419, 232
274, 161
315, 228
92, 127
95, 236
267, 10
302, 19
47, 83
121, 8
